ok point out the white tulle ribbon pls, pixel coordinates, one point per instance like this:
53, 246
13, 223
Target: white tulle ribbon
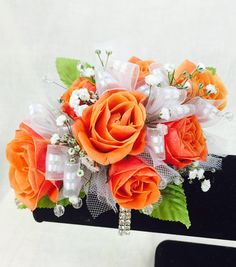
118, 74
59, 168
99, 197
206, 112
42, 120
159, 98
72, 183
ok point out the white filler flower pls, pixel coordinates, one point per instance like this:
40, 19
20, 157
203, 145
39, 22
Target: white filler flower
192, 174
211, 89
200, 67
74, 99
61, 120
164, 114
83, 94
89, 72
54, 139
152, 80
79, 110
206, 185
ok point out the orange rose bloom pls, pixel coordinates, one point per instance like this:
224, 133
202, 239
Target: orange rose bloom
133, 183
78, 84
143, 68
26, 154
205, 78
113, 127
185, 142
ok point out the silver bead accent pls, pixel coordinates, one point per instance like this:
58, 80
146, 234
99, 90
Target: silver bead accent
124, 221
59, 210
213, 170
79, 204
148, 210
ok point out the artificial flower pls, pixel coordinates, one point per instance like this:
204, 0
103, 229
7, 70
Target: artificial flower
152, 80
54, 139
201, 78
80, 109
205, 185
113, 127
60, 121
143, 68
185, 142
26, 154
68, 104
133, 183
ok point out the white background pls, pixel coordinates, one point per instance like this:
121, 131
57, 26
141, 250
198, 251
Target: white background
32, 35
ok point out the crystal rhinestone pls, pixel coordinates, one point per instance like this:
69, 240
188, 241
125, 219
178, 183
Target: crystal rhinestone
127, 222
79, 204
121, 227
127, 228
213, 170
59, 210
122, 215
121, 232
121, 222
148, 210
128, 216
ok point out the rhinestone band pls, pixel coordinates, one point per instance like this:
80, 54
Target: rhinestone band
124, 221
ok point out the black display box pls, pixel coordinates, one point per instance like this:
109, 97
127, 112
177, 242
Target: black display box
213, 214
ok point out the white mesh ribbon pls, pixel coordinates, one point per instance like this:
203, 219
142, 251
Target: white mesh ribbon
117, 75
167, 174
99, 197
213, 162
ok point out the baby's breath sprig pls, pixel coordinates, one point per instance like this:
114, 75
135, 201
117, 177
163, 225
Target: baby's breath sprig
98, 52
108, 54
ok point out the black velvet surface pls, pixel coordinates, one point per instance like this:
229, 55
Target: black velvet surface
213, 214
180, 254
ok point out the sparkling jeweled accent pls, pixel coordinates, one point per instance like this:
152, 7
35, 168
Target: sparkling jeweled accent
124, 221
59, 210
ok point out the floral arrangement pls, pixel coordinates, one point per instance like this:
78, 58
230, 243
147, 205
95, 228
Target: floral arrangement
123, 135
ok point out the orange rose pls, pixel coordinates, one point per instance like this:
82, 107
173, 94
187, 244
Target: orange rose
143, 68
78, 84
185, 142
113, 127
26, 154
204, 78
133, 183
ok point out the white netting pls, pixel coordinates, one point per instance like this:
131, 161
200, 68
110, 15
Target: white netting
167, 174
213, 162
99, 197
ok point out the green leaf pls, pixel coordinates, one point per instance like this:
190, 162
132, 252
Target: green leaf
173, 206
67, 70
46, 203
82, 194
212, 70
21, 206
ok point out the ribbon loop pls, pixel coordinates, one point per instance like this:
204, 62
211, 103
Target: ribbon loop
156, 142
42, 120
55, 161
72, 183
118, 75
